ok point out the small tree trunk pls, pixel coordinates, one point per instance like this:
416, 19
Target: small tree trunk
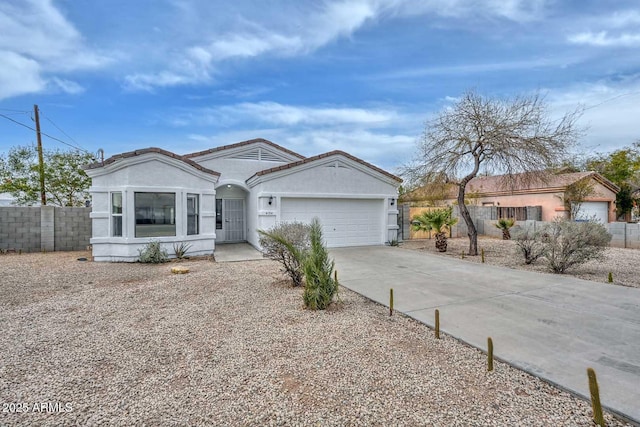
441, 242
471, 228
506, 234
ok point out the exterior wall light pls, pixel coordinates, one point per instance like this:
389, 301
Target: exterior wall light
270, 200
393, 201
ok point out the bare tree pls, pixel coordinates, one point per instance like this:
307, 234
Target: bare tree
514, 137
575, 194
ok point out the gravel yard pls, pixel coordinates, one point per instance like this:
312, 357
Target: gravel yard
624, 264
231, 344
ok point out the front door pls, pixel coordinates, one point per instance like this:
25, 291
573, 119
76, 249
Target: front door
233, 220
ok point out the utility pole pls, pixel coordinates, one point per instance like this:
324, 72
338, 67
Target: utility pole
43, 194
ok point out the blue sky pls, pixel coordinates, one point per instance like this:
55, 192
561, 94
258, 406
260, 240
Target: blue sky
362, 76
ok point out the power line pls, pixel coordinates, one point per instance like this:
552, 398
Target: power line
15, 111
47, 135
611, 99
57, 127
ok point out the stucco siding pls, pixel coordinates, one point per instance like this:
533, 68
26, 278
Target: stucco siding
328, 179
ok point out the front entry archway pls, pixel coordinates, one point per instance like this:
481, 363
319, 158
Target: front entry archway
231, 215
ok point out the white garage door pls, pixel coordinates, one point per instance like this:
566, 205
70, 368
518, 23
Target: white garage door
598, 210
345, 222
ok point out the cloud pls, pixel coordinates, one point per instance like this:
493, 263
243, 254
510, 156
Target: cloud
618, 29
384, 149
610, 114
604, 39
478, 68
301, 30
276, 114
19, 75
513, 10
67, 86
37, 40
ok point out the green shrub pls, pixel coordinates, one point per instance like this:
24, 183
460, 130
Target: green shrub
568, 243
287, 243
153, 253
320, 287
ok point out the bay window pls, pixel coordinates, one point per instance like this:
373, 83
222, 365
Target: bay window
155, 214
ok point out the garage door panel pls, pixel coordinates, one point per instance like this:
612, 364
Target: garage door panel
345, 222
594, 210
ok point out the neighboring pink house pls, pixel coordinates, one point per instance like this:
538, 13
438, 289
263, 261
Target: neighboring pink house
549, 195
490, 191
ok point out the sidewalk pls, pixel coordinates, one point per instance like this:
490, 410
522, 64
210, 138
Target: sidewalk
552, 326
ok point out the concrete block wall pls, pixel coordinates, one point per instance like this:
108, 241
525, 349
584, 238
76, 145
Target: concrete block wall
20, 228
72, 229
34, 229
633, 236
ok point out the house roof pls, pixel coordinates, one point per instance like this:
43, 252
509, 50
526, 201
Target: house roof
241, 144
322, 156
156, 150
495, 185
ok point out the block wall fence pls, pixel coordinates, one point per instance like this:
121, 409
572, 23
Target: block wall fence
44, 228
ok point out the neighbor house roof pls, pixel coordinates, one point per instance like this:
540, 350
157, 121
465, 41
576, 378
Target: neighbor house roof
322, 156
149, 150
498, 186
241, 144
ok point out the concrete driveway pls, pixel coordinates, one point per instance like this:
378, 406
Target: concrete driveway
552, 326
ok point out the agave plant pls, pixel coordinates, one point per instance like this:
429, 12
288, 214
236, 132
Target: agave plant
437, 220
505, 224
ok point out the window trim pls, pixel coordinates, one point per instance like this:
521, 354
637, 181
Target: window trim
113, 215
196, 214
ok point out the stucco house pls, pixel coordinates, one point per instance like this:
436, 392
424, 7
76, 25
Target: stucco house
227, 193
548, 194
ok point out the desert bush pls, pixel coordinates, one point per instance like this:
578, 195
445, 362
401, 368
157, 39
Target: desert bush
153, 253
568, 243
320, 287
287, 243
530, 244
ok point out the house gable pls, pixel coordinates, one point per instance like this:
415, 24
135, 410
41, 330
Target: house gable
254, 149
336, 160
147, 167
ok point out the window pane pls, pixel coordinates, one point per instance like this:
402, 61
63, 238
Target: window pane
116, 225
218, 214
116, 203
192, 213
155, 214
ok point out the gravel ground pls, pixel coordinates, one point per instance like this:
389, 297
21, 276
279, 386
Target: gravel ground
231, 344
624, 264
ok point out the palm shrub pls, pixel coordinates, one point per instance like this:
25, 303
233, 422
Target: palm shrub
320, 287
420, 222
505, 225
568, 243
287, 243
437, 220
